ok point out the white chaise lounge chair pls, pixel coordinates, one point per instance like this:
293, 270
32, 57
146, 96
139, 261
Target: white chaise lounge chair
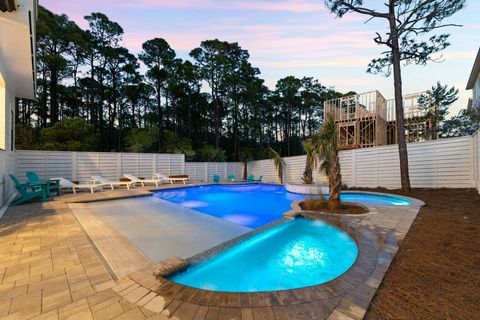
67, 184
163, 177
105, 181
142, 182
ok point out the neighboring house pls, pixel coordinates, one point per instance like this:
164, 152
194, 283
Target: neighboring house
17, 77
474, 82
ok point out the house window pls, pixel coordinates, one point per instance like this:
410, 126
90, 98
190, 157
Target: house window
3, 114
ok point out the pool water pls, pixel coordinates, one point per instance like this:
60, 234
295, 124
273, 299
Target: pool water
253, 205
295, 254
374, 199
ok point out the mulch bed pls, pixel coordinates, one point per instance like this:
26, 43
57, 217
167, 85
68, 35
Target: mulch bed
436, 272
317, 205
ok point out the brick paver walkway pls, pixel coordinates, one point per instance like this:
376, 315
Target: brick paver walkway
49, 269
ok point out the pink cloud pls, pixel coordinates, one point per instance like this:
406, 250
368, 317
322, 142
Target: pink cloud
251, 5
320, 62
286, 5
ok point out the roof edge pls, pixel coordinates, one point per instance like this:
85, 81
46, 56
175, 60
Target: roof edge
475, 72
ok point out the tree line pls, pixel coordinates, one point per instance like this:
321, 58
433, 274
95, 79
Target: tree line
93, 94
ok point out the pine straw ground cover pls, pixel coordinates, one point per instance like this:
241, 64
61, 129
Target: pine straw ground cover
436, 272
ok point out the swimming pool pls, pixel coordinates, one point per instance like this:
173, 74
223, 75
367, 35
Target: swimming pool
295, 254
254, 205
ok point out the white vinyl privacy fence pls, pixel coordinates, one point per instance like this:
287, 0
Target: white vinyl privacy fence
80, 166
449, 163
293, 171
204, 171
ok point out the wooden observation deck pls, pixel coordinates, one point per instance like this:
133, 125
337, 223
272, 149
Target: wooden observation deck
368, 120
361, 119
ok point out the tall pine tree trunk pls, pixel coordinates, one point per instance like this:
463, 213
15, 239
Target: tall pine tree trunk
397, 79
217, 124
160, 118
93, 109
54, 96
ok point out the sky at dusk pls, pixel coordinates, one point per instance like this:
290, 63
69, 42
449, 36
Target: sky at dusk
286, 37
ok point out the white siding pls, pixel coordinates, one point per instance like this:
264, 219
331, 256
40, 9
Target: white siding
476, 93
6, 156
6, 168
476, 157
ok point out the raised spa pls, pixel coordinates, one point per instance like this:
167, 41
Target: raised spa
294, 254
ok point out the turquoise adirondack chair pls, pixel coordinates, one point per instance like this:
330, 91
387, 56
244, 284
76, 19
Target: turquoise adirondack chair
231, 177
251, 178
52, 186
259, 179
26, 195
216, 178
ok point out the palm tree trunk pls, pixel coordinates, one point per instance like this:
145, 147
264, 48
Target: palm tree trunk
334, 181
245, 170
308, 173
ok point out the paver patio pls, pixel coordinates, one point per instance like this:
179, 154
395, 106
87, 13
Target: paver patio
50, 269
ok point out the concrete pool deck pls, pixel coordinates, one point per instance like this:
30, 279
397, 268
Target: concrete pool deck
51, 269
159, 229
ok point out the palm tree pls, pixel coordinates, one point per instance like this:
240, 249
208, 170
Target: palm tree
325, 148
245, 156
278, 162
310, 162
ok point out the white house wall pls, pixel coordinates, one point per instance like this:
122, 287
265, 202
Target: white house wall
6, 156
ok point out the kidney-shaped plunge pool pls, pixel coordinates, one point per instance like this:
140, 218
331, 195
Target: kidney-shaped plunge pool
294, 254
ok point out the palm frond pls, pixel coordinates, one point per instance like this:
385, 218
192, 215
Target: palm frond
278, 162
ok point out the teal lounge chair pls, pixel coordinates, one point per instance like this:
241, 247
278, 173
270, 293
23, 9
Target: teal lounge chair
52, 185
259, 179
216, 178
26, 196
231, 177
251, 178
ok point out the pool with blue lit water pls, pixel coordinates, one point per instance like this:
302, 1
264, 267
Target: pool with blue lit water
294, 254
254, 205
